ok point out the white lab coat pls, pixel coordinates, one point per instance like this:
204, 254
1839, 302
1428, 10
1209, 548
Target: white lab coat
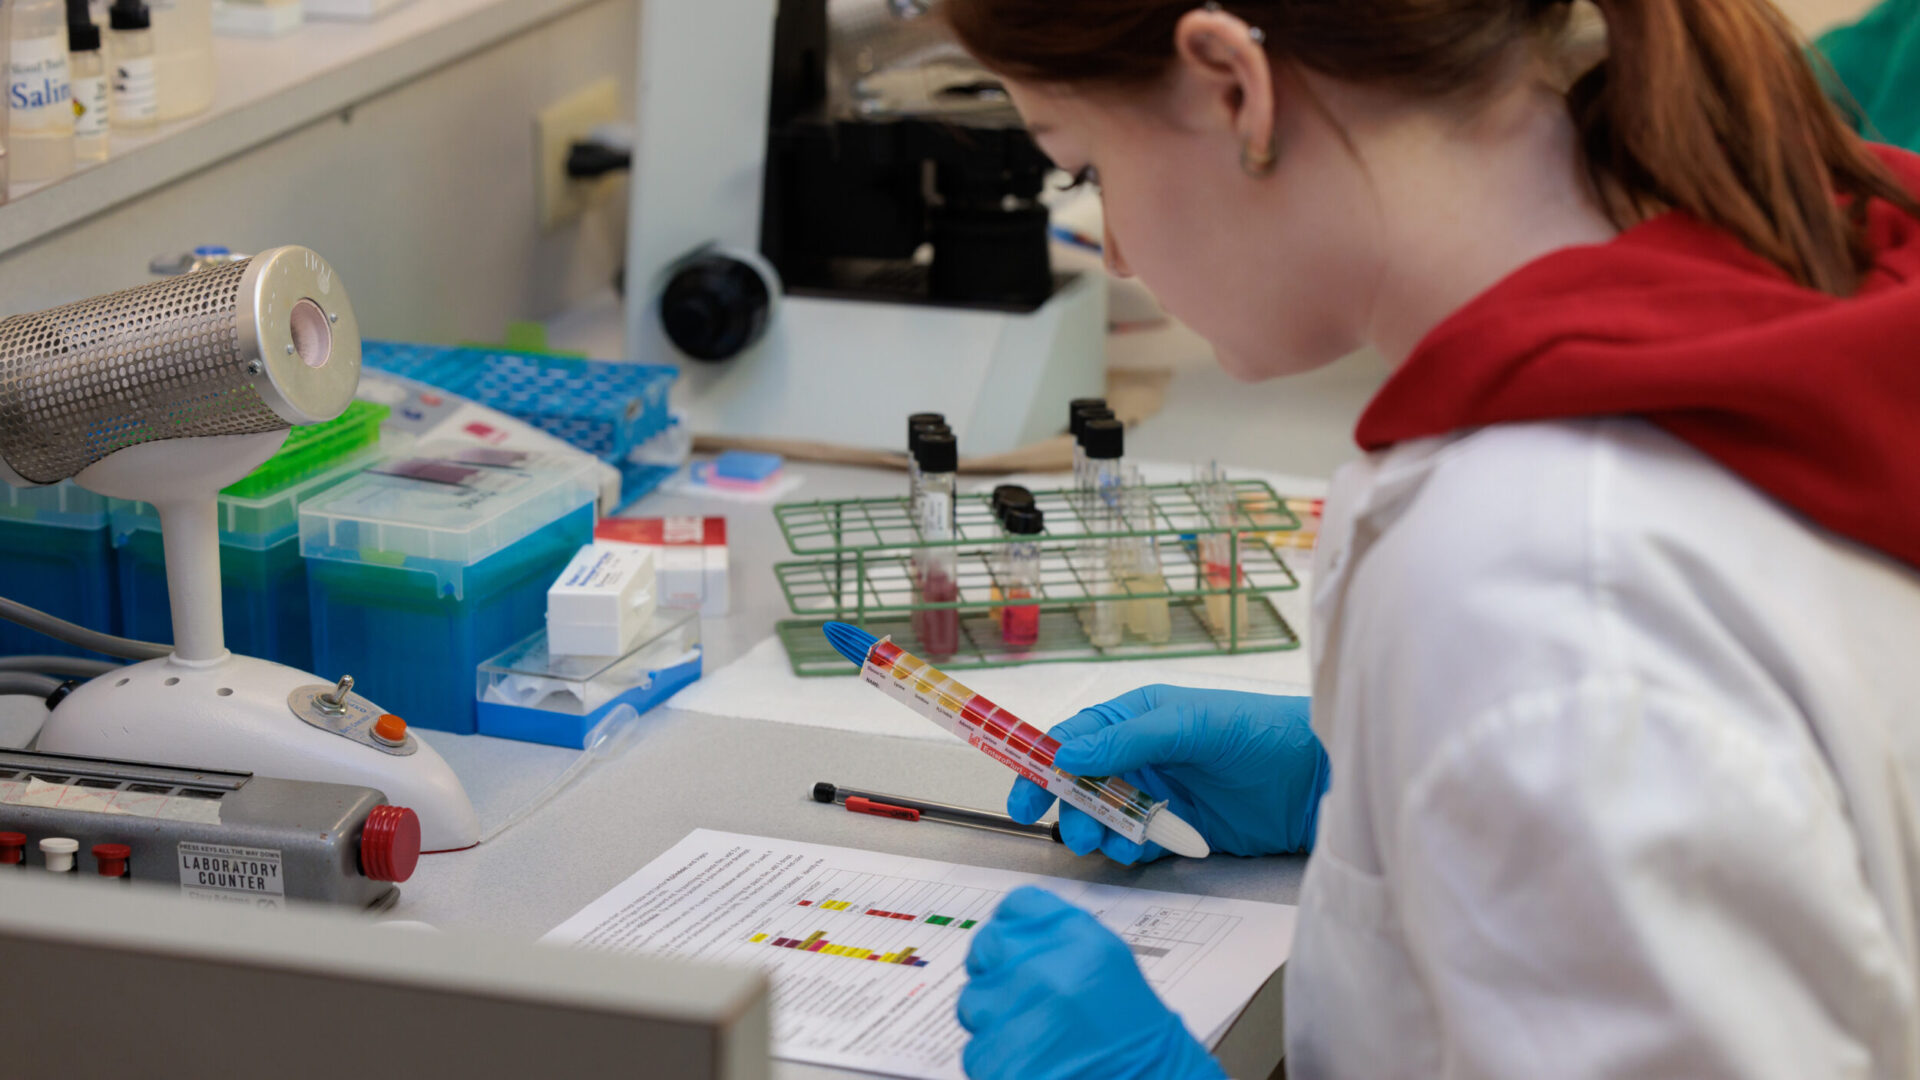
1625, 765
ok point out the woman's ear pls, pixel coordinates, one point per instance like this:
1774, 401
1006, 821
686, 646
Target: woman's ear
1222, 80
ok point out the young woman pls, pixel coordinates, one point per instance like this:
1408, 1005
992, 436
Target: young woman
1615, 626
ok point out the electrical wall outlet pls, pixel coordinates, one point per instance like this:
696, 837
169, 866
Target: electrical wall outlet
562, 199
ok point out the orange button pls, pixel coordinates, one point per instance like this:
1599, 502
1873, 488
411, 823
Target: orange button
390, 728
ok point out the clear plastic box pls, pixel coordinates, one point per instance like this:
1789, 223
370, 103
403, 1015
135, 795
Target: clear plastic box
56, 554
423, 568
526, 694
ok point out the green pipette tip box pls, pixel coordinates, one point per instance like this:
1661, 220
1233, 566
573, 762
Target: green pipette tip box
312, 450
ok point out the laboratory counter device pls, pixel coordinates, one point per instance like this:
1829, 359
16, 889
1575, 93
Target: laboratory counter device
228, 837
169, 394
1012, 742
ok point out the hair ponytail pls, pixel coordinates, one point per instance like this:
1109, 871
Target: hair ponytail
1707, 106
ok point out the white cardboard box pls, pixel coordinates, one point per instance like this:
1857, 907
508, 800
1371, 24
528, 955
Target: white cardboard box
601, 602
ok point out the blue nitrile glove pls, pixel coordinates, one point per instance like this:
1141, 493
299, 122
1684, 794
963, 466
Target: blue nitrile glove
1244, 769
1053, 994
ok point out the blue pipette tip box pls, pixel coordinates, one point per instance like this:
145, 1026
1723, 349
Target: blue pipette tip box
56, 554
420, 571
747, 467
528, 695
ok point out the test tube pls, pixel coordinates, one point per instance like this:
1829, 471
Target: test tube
1075, 408
1139, 565
917, 425
1228, 614
939, 459
1082, 479
912, 446
1020, 624
1106, 446
1006, 497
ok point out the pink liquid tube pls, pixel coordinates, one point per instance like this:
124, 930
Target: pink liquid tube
940, 627
1020, 623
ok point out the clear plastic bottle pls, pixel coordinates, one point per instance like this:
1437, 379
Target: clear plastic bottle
92, 90
39, 92
182, 57
135, 95
1020, 622
939, 628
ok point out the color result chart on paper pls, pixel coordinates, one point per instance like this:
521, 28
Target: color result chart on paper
867, 952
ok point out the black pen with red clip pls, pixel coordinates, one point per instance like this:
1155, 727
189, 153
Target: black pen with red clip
905, 809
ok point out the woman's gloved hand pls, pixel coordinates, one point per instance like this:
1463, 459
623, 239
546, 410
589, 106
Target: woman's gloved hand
1244, 769
1054, 994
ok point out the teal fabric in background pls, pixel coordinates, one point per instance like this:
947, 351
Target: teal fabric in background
1878, 61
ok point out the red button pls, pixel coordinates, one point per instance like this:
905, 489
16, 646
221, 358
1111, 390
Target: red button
13, 848
390, 844
112, 859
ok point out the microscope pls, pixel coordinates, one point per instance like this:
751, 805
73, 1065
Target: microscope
836, 221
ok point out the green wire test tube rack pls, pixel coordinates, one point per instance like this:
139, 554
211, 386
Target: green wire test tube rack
855, 561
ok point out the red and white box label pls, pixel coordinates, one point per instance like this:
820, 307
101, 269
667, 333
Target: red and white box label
689, 557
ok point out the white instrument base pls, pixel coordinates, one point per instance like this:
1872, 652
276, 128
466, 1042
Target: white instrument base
232, 714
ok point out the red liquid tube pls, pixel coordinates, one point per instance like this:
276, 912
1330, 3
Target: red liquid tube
1020, 623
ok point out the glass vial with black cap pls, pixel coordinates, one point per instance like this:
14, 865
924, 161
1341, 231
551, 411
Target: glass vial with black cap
1020, 620
92, 89
136, 89
1006, 498
917, 425
1105, 442
939, 628
1077, 427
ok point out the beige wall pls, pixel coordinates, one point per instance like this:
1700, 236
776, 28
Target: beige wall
422, 198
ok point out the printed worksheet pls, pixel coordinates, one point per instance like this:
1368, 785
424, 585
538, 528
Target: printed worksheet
867, 952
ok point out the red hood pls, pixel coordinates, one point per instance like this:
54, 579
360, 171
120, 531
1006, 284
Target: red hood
1811, 398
